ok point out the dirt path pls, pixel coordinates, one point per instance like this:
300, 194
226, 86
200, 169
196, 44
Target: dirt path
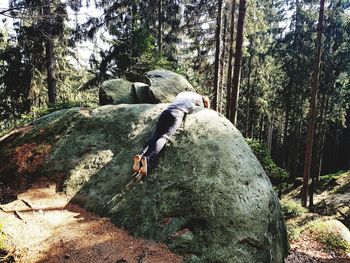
41, 226
308, 250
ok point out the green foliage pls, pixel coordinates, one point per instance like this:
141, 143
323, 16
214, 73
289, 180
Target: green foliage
293, 230
276, 174
37, 112
326, 235
326, 180
291, 209
129, 57
23, 75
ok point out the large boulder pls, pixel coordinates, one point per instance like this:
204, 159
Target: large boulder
165, 85
208, 198
116, 91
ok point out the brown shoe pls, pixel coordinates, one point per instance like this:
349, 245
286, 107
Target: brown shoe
144, 167
136, 167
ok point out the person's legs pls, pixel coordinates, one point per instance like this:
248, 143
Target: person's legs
167, 124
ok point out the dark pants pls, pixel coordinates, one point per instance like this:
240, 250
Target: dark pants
169, 121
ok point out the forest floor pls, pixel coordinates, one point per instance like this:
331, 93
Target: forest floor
307, 249
41, 225
331, 199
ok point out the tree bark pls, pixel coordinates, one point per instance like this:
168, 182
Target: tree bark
312, 111
316, 167
49, 50
160, 25
321, 136
222, 64
230, 57
217, 57
238, 61
249, 88
269, 135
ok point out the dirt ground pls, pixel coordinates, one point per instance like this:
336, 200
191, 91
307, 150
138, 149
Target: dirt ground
41, 226
308, 250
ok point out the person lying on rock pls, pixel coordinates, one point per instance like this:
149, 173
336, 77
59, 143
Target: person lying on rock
169, 121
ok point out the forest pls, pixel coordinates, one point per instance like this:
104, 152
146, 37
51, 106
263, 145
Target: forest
279, 70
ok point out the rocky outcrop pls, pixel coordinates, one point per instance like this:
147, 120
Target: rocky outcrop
208, 198
165, 85
162, 87
116, 91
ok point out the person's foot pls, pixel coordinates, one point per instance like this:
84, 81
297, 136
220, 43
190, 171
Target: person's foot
136, 167
144, 166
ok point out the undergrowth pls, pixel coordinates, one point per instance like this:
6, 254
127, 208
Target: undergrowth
37, 112
292, 212
325, 233
277, 175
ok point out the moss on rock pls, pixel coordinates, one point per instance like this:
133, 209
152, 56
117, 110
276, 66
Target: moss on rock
208, 197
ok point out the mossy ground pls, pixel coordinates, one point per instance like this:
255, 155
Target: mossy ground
313, 227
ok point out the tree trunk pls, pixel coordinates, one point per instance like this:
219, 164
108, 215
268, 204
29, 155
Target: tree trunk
269, 136
312, 111
50, 59
317, 163
294, 168
160, 25
217, 57
321, 137
261, 125
222, 64
230, 57
249, 89
335, 162
237, 64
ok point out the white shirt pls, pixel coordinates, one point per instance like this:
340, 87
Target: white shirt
186, 101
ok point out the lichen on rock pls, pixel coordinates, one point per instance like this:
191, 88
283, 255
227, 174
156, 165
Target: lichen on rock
208, 197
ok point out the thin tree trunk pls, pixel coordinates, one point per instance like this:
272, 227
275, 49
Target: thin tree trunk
289, 150
320, 137
237, 64
217, 57
49, 50
285, 129
312, 111
295, 164
249, 88
269, 136
160, 25
317, 162
222, 63
230, 57
335, 162
261, 124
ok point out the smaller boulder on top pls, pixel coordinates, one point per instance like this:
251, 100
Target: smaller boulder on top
162, 87
165, 85
116, 91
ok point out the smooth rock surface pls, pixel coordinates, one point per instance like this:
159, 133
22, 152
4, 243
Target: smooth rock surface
165, 85
208, 197
116, 91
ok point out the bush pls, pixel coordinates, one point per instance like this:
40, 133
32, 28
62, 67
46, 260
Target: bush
277, 175
293, 230
325, 233
291, 209
37, 112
